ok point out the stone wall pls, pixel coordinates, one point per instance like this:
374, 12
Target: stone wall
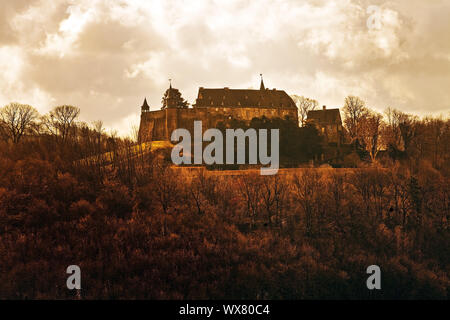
333, 133
158, 125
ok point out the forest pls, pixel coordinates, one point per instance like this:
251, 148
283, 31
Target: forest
140, 228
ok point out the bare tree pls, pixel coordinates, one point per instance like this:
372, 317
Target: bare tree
361, 182
304, 105
399, 179
99, 131
165, 188
354, 110
250, 189
336, 193
60, 120
16, 120
202, 190
306, 186
370, 133
392, 135
4, 131
134, 133
273, 193
436, 135
408, 129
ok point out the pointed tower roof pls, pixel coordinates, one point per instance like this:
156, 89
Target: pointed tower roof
169, 94
262, 87
145, 105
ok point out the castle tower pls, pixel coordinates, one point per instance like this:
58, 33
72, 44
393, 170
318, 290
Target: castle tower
171, 101
145, 107
172, 98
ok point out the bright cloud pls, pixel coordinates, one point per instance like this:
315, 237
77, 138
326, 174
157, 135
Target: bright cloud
105, 56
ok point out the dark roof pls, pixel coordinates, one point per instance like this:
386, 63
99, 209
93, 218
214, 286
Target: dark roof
325, 116
243, 98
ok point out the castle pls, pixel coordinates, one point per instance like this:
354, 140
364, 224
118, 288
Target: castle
213, 106
329, 124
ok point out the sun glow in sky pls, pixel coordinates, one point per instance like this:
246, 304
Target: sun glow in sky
105, 56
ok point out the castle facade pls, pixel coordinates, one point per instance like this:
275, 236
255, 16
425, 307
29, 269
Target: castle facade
329, 124
213, 106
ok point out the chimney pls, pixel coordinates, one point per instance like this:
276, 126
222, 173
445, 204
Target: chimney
324, 107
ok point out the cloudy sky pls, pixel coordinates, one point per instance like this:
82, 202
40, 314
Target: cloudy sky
105, 56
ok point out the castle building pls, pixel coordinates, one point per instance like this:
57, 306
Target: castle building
211, 107
329, 124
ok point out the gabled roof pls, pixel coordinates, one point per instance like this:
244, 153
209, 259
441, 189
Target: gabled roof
327, 116
244, 98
